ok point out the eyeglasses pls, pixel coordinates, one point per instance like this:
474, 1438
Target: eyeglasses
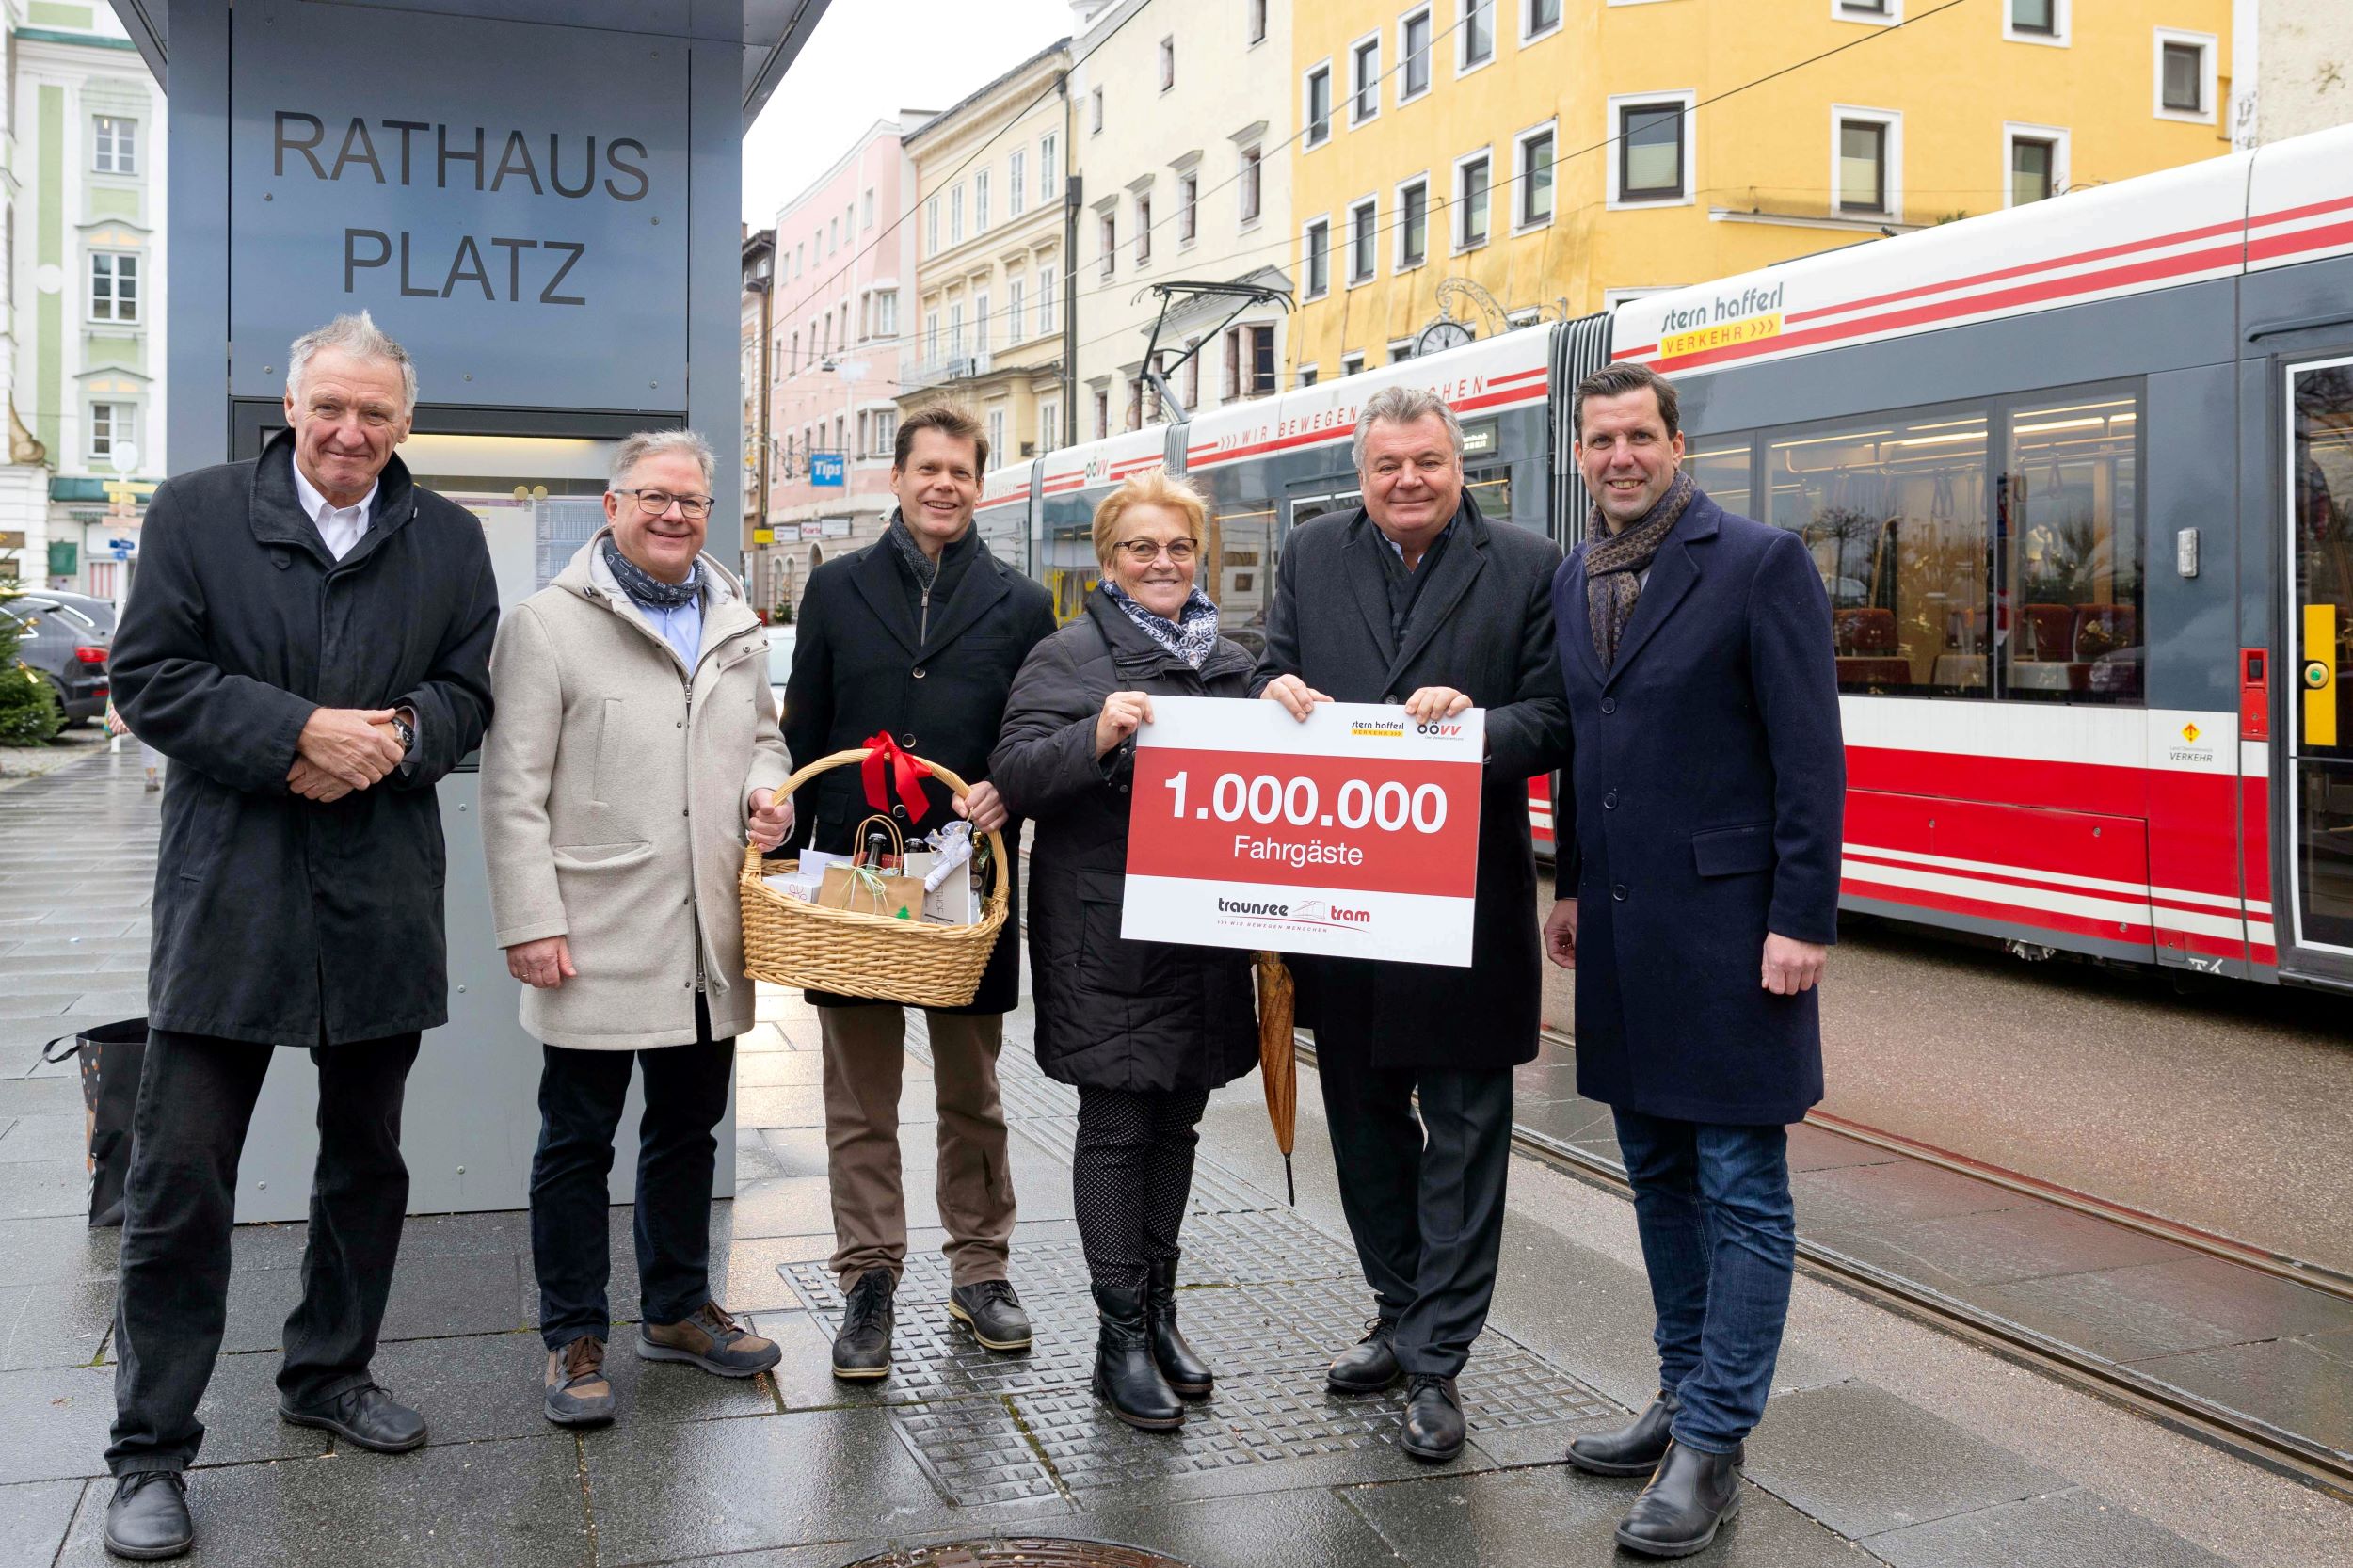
1143, 553
654, 503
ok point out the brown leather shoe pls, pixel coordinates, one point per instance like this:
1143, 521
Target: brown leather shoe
710, 1339
579, 1394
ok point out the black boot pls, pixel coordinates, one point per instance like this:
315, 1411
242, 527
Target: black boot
1125, 1378
1186, 1372
862, 1351
1679, 1511
1634, 1450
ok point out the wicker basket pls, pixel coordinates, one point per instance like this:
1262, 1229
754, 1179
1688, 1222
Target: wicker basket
791, 941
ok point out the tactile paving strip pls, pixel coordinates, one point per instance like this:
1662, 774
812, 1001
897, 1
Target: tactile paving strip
1268, 1299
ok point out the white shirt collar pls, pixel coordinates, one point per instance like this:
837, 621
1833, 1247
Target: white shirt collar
314, 503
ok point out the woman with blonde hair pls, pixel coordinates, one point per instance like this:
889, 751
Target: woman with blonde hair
1144, 1030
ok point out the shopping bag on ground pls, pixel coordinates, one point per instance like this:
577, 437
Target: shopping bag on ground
112, 1056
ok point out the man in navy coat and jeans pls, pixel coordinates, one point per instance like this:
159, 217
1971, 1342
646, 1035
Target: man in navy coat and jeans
1697, 898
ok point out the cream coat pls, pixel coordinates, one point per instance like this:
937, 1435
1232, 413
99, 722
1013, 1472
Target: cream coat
615, 786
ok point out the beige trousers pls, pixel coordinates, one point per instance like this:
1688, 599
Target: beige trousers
865, 1049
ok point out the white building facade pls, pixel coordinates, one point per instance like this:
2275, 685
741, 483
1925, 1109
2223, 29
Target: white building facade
1184, 120
82, 319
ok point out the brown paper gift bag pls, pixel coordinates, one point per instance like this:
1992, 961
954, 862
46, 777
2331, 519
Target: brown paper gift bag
871, 893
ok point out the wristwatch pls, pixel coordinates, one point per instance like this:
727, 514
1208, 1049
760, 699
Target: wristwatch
405, 733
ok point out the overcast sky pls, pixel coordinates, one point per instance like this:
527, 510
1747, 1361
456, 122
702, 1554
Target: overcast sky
869, 59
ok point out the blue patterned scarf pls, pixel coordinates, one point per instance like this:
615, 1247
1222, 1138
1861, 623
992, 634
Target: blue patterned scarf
1189, 636
647, 589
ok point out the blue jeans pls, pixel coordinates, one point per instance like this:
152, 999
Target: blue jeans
1719, 1238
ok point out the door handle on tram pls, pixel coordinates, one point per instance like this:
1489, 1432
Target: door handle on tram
2318, 675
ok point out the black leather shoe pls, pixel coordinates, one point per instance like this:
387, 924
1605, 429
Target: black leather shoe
365, 1417
1125, 1378
1679, 1512
862, 1351
148, 1520
1634, 1450
1186, 1372
1370, 1365
992, 1313
1432, 1426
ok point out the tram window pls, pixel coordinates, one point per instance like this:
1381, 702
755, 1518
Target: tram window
1066, 561
1894, 510
1236, 560
1492, 489
2068, 504
1719, 466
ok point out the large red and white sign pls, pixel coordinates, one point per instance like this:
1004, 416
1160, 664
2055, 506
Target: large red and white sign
1355, 835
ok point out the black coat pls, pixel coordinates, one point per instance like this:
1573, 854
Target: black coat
280, 919
1484, 625
863, 661
1113, 1014
1709, 787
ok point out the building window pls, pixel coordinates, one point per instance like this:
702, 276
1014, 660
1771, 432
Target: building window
1110, 243
931, 335
1319, 115
1253, 185
1412, 224
1364, 236
1652, 162
1048, 426
1045, 301
980, 202
1317, 250
1864, 155
1188, 208
114, 286
1016, 184
1413, 49
1541, 17
1102, 414
956, 331
1472, 178
2036, 21
1867, 11
955, 215
1533, 176
1364, 77
1250, 363
1192, 374
980, 324
886, 432
1351, 364
1094, 112
1015, 315
1400, 351
2035, 161
1304, 377
1049, 175
111, 424
1477, 32
1168, 63
1143, 229
997, 435
930, 227
2186, 87
1254, 21
885, 313
113, 145
866, 206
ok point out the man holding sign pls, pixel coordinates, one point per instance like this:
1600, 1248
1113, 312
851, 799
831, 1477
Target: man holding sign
1417, 599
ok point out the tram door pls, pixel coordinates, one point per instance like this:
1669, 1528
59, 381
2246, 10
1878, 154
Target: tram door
2319, 643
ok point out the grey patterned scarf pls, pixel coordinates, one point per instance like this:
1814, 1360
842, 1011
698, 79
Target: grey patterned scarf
1612, 560
901, 537
1190, 636
647, 589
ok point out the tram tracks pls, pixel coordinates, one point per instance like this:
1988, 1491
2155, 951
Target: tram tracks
2236, 1432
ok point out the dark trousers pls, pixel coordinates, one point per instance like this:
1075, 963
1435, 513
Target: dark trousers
1423, 1197
1719, 1238
1130, 1174
581, 1095
196, 1099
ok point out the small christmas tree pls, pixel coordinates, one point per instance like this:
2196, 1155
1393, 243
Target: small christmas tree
29, 712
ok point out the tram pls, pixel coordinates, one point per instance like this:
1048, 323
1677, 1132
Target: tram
2084, 508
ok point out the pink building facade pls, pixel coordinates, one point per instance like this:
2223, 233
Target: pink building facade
844, 288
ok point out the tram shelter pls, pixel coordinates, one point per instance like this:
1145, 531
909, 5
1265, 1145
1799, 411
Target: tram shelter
541, 200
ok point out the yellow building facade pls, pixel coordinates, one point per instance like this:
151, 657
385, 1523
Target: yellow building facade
1496, 162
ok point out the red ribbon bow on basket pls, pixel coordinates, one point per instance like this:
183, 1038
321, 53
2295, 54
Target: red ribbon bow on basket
906, 773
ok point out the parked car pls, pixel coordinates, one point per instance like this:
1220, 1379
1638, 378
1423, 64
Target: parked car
67, 638
781, 640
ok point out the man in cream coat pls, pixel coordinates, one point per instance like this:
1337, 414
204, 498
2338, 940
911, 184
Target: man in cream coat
636, 749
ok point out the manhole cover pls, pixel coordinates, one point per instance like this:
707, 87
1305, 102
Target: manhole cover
1020, 1552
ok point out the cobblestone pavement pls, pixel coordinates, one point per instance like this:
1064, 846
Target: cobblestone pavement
1887, 1442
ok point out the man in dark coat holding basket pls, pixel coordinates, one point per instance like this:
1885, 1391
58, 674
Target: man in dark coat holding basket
913, 643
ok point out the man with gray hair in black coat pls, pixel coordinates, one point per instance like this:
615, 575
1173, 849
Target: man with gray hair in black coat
309, 643
1416, 598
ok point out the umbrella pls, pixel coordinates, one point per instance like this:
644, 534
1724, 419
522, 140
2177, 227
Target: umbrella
1278, 1064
